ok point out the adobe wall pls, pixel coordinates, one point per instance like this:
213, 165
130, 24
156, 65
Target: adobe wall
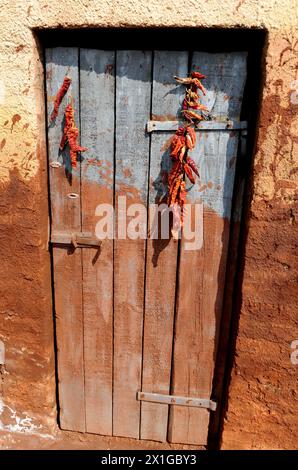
262, 405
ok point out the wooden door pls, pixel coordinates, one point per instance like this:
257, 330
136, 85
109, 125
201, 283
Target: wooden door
137, 322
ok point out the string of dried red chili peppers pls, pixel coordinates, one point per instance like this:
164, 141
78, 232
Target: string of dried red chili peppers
183, 141
70, 135
59, 97
70, 131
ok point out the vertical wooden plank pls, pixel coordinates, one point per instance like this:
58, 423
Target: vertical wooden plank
161, 259
202, 272
133, 96
66, 216
97, 82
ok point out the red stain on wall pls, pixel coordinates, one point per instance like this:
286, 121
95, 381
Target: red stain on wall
3, 142
20, 48
15, 118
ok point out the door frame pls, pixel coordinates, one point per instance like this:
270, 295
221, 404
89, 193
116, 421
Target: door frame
254, 41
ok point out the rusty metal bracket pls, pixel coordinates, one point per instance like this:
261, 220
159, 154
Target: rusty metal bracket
77, 240
214, 125
175, 400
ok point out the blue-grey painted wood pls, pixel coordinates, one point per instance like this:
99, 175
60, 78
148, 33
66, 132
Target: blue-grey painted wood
161, 260
133, 96
215, 155
66, 216
202, 272
225, 80
97, 90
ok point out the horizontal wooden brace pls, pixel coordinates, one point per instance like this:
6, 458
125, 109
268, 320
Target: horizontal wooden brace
165, 126
78, 240
175, 400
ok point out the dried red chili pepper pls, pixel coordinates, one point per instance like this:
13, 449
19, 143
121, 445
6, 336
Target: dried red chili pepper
193, 166
190, 138
191, 115
199, 85
185, 104
184, 81
175, 171
188, 172
177, 145
59, 97
182, 153
175, 188
182, 199
197, 75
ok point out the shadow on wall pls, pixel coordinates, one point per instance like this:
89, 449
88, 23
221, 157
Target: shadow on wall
242, 197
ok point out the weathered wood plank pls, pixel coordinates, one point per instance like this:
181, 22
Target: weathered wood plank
133, 96
97, 86
65, 215
161, 261
202, 272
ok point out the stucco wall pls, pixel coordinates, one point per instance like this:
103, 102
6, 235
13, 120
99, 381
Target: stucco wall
262, 404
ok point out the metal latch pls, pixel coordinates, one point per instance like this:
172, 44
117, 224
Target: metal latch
77, 240
175, 400
214, 125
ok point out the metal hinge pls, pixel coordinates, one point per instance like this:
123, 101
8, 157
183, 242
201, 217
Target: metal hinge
2, 353
214, 125
175, 400
77, 240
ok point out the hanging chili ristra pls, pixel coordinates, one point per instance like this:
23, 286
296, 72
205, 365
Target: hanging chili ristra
183, 141
59, 97
70, 135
